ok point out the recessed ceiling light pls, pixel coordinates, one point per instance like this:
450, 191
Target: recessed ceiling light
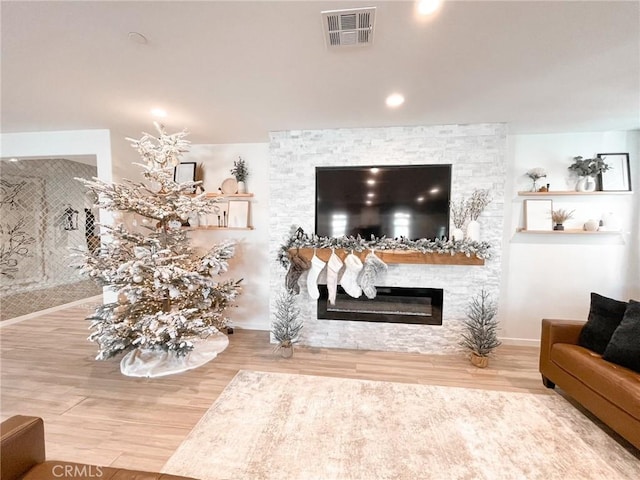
394, 100
420, 199
137, 37
371, 181
434, 190
158, 112
13, 159
427, 7
368, 202
375, 170
371, 194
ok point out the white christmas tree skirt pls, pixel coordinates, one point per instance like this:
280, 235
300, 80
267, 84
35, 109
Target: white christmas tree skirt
157, 363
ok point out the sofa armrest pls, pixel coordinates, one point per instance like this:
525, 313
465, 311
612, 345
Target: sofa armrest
557, 331
21, 444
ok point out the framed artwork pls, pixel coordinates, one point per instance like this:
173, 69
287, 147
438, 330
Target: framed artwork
238, 214
185, 172
618, 177
537, 215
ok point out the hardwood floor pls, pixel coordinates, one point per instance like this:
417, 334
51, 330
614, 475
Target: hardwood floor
93, 414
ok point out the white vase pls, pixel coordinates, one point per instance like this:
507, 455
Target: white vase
473, 231
586, 184
242, 187
457, 234
610, 222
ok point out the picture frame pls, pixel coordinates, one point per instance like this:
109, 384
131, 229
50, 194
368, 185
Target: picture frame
238, 214
537, 215
185, 172
618, 177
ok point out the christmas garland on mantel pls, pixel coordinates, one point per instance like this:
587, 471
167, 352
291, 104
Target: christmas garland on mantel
299, 239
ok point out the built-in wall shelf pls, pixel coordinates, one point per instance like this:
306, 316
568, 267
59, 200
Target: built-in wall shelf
396, 256
571, 231
568, 192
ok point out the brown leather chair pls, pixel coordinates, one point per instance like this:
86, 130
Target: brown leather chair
23, 458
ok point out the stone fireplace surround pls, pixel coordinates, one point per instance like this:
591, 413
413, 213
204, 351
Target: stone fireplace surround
477, 153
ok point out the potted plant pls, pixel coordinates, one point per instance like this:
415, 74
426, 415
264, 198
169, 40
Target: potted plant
587, 169
459, 216
475, 206
559, 217
536, 174
240, 172
480, 335
286, 328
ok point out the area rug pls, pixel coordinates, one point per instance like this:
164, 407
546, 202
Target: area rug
285, 427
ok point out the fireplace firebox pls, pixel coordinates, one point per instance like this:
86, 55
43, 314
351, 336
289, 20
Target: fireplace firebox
391, 305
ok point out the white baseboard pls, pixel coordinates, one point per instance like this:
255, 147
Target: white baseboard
250, 326
29, 316
520, 342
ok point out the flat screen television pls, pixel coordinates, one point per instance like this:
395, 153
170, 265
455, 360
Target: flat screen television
410, 201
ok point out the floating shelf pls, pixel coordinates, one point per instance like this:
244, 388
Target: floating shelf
566, 232
569, 192
228, 195
209, 227
396, 256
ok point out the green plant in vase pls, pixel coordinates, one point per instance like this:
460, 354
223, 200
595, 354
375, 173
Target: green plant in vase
240, 172
587, 169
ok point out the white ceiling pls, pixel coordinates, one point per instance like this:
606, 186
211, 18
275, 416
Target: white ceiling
233, 71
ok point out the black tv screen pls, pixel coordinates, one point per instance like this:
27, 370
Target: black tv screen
410, 201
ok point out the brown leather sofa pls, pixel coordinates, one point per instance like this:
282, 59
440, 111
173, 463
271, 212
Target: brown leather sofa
23, 457
609, 391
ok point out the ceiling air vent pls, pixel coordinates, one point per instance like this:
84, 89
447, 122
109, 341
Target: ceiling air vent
352, 27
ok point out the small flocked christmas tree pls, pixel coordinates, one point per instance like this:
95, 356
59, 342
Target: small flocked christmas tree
287, 326
167, 296
481, 329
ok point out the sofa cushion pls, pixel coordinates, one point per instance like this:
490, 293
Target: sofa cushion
611, 381
605, 314
624, 347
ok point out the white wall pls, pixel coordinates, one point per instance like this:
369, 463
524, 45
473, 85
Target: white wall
552, 276
251, 262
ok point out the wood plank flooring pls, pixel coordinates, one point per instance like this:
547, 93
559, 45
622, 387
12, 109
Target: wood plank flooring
93, 414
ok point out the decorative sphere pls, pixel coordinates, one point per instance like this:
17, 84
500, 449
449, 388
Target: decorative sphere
155, 187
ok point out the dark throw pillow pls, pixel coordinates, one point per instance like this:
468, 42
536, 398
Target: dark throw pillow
605, 314
624, 347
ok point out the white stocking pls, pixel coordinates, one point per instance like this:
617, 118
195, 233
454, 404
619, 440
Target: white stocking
333, 268
349, 280
317, 266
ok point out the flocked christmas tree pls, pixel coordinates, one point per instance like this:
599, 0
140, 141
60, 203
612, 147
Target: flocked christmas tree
167, 296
